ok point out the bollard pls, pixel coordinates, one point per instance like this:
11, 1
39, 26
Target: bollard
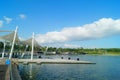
77, 59
69, 58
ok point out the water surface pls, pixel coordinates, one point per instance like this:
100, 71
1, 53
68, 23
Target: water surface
106, 68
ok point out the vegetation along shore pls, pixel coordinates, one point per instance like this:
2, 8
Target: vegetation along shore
54, 50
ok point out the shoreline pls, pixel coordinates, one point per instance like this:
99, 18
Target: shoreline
105, 54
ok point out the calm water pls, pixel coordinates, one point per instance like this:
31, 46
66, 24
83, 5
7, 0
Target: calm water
106, 68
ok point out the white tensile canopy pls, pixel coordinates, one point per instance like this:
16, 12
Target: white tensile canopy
9, 37
29, 42
13, 37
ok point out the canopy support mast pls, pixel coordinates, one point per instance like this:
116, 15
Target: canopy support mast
3, 50
10, 55
32, 51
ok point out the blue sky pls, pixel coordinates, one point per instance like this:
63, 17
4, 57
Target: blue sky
66, 23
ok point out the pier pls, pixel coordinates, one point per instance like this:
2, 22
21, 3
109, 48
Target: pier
51, 61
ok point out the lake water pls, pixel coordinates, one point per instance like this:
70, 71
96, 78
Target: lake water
106, 68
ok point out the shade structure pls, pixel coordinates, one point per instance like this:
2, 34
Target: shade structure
5, 31
29, 42
12, 37
9, 37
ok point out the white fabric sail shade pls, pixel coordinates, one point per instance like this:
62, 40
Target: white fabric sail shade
9, 37
29, 42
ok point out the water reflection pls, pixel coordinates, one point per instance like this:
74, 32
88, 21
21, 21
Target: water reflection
30, 71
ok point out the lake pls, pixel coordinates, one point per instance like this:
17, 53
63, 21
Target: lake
106, 68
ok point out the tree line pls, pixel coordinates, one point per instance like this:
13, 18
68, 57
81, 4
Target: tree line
81, 50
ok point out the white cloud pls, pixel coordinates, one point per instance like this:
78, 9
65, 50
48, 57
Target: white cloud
1, 23
71, 46
22, 39
8, 20
22, 16
98, 29
61, 45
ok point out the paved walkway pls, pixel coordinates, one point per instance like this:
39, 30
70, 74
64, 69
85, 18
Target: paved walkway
52, 61
3, 71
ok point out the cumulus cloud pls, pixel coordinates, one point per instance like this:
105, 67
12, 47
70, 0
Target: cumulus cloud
98, 29
8, 20
22, 16
1, 23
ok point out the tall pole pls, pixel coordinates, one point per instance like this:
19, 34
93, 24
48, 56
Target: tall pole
13, 43
45, 52
24, 51
3, 50
33, 36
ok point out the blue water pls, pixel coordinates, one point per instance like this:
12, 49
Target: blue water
106, 68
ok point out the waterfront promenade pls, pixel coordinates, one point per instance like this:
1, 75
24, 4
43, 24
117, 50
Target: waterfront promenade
4, 70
